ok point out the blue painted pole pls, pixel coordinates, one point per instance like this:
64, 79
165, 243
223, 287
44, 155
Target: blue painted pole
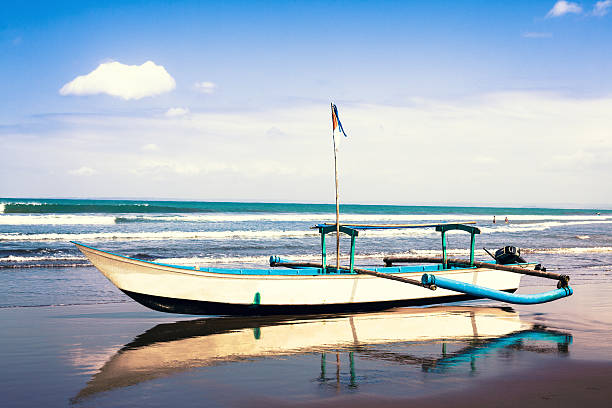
482, 292
444, 266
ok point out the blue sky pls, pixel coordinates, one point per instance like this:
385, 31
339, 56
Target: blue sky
444, 77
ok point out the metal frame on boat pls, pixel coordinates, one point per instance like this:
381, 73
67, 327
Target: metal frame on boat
298, 288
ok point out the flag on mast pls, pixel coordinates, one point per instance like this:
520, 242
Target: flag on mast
336, 124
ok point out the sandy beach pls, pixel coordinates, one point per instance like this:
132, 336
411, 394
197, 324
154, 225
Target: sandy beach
122, 354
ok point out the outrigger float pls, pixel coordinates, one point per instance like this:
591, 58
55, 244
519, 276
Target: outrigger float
289, 287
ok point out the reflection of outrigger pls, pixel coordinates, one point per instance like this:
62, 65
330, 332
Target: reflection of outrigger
436, 338
469, 355
305, 287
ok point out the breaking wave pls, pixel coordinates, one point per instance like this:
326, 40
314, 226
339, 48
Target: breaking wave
372, 258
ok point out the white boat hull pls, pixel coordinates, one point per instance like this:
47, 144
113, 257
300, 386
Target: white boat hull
192, 291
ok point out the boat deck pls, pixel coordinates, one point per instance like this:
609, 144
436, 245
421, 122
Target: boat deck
306, 271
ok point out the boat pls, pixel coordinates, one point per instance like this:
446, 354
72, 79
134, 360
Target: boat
433, 339
288, 287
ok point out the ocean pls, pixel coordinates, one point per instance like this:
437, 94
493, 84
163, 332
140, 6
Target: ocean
39, 266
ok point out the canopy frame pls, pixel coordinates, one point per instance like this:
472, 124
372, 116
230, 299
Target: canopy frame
352, 230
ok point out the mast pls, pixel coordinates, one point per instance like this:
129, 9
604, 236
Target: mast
337, 199
336, 124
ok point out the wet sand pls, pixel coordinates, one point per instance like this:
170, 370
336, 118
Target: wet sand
559, 384
471, 354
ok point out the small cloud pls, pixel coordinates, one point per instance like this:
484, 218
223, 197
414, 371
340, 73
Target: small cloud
151, 147
602, 8
275, 132
124, 81
174, 112
537, 35
164, 167
563, 7
205, 87
83, 171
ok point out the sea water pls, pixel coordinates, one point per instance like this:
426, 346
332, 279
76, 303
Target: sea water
40, 266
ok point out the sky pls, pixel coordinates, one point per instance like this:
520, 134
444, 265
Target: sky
472, 102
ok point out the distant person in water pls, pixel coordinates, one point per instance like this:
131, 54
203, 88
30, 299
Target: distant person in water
493, 219
506, 220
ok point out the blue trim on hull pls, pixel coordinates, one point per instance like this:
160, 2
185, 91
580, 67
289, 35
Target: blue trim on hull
308, 271
198, 307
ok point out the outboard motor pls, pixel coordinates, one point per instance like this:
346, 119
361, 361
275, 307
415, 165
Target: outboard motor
508, 255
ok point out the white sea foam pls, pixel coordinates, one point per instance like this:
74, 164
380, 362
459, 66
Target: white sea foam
99, 219
539, 226
19, 259
583, 237
576, 250
345, 218
275, 234
56, 219
162, 235
373, 258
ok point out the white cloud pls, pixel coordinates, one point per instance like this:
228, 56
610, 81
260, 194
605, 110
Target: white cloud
160, 167
124, 81
602, 8
536, 35
563, 7
150, 147
485, 160
174, 112
205, 87
508, 142
83, 171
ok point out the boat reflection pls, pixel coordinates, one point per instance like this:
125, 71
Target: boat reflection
436, 338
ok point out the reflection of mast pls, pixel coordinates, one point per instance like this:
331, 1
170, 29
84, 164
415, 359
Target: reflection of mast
352, 381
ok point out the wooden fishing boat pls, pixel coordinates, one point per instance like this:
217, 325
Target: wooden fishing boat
297, 288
